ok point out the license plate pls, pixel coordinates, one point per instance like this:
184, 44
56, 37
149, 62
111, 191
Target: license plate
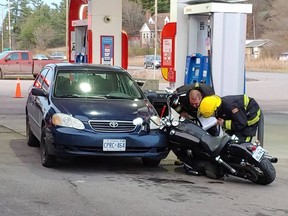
258, 153
114, 145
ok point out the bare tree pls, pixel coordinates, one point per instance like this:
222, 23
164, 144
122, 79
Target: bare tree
44, 34
133, 17
269, 20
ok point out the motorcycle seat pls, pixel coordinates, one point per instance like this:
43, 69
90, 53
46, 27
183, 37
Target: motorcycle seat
214, 144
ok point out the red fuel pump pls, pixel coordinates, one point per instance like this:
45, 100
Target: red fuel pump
168, 52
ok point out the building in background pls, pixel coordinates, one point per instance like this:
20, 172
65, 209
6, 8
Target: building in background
147, 32
254, 48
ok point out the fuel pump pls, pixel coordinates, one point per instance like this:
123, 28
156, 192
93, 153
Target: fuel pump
198, 65
81, 44
95, 33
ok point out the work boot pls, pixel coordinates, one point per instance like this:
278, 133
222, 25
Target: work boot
190, 171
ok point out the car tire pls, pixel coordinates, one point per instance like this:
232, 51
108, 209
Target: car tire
46, 159
151, 162
31, 139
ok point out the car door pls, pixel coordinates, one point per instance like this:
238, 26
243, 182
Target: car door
26, 64
11, 64
34, 105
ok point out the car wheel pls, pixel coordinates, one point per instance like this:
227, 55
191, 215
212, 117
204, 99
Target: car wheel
46, 159
151, 162
31, 139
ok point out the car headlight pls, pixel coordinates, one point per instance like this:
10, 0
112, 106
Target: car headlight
65, 120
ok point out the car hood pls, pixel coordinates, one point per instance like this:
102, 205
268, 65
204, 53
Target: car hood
104, 109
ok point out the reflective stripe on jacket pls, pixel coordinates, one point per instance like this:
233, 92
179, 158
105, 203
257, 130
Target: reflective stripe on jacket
238, 111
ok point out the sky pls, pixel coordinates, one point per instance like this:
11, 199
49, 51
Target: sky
4, 9
49, 2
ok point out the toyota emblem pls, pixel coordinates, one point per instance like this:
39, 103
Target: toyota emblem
113, 124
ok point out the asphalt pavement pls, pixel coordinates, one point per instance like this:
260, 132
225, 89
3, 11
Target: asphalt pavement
125, 187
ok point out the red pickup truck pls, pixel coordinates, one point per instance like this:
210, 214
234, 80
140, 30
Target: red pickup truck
21, 63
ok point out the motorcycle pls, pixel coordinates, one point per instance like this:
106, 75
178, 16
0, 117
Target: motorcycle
215, 156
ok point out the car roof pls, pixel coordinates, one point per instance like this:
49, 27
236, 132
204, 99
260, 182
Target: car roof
11, 51
58, 52
86, 66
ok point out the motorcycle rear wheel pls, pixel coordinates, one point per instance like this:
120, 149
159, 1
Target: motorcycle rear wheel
262, 173
269, 172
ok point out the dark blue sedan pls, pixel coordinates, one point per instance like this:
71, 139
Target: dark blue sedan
91, 110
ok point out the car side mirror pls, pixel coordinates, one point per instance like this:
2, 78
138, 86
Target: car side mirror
140, 83
7, 59
38, 92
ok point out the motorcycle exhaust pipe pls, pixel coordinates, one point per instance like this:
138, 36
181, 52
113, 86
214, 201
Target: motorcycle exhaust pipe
220, 161
271, 159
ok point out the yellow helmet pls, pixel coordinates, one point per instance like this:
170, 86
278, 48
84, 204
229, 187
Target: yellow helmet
208, 105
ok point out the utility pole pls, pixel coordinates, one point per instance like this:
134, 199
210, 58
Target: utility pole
254, 27
9, 25
67, 28
2, 34
155, 37
2, 27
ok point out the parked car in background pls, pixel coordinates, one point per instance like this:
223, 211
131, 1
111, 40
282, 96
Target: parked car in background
58, 55
21, 63
150, 61
40, 57
283, 57
91, 110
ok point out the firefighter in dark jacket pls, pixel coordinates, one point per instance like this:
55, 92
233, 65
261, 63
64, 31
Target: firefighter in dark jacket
189, 97
238, 114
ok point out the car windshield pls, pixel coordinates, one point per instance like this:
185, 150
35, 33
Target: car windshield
95, 84
3, 54
57, 54
152, 57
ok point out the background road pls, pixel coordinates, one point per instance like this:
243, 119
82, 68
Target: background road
113, 186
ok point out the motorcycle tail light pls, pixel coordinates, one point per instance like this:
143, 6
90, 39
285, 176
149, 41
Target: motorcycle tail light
253, 148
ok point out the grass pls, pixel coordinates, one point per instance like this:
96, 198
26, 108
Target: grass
267, 65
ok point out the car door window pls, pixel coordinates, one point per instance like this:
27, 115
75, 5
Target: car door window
47, 80
14, 56
40, 78
25, 56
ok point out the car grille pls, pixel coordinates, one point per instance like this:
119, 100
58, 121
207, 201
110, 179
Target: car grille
112, 126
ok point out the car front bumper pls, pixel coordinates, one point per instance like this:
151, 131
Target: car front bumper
64, 142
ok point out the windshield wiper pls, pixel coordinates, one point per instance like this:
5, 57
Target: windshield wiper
118, 97
95, 97
69, 96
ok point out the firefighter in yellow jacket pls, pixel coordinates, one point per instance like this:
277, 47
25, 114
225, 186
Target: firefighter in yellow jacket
238, 114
